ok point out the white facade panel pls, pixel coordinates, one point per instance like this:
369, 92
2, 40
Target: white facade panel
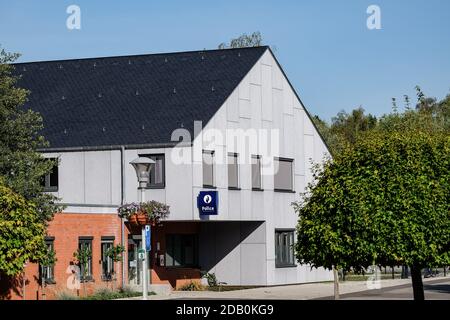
244, 88
263, 100
256, 106
233, 106
255, 74
245, 109
266, 73
97, 177
71, 178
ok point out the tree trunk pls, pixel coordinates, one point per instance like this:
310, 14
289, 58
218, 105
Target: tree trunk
43, 283
336, 283
417, 283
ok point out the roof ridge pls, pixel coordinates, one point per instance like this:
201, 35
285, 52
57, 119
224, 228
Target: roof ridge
141, 55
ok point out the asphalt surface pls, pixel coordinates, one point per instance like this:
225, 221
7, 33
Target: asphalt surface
391, 289
434, 290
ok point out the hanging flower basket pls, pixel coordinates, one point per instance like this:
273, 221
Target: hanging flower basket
138, 219
150, 212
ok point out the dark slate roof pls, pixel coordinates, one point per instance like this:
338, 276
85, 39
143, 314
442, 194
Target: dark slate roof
131, 100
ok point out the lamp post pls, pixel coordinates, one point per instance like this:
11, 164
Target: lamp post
142, 166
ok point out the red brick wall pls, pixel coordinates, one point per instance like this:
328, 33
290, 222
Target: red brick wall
66, 228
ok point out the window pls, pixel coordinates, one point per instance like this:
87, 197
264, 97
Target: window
181, 250
284, 175
47, 272
107, 262
256, 173
85, 243
284, 248
233, 171
208, 168
157, 171
50, 181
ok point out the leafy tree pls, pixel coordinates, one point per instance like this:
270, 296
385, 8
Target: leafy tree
21, 165
244, 41
47, 260
382, 201
115, 253
83, 256
22, 232
345, 128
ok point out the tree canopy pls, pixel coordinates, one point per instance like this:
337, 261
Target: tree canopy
382, 200
21, 232
21, 165
344, 128
25, 209
243, 41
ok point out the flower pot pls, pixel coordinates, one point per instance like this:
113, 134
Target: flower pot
139, 219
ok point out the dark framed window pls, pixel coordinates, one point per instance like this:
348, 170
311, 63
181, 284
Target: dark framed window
50, 182
157, 171
107, 262
47, 273
181, 250
284, 175
284, 248
233, 171
256, 173
85, 243
208, 168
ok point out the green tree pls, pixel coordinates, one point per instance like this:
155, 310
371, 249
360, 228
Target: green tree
345, 128
244, 41
382, 201
115, 253
48, 260
21, 165
22, 232
83, 257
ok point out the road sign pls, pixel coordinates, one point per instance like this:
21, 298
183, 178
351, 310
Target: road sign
141, 254
148, 238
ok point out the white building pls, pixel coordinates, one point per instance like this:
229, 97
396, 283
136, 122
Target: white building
100, 114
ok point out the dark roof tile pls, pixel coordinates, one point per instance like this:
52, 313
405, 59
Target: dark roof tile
105, 101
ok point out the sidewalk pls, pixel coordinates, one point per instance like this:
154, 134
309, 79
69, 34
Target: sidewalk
289, 292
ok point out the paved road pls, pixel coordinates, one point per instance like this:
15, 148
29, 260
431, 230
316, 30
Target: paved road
434, 290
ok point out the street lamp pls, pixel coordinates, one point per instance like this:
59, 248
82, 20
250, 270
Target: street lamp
142, 166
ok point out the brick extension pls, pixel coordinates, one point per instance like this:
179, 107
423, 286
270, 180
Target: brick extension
66, 228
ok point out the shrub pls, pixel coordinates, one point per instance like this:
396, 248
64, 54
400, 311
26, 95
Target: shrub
65, 295
108, 294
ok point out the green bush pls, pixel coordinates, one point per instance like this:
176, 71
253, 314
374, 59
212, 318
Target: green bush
108, 294
65, 295
102, 294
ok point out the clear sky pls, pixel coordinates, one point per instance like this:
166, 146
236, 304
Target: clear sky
333, 60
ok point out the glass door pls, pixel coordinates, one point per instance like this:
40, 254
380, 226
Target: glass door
134, 265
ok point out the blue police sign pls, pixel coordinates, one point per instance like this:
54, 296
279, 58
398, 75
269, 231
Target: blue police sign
148, 238
208, 203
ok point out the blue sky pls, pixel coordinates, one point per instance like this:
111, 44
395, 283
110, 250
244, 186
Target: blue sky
333, 60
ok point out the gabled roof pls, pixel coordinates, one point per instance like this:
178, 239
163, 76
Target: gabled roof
131, 100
